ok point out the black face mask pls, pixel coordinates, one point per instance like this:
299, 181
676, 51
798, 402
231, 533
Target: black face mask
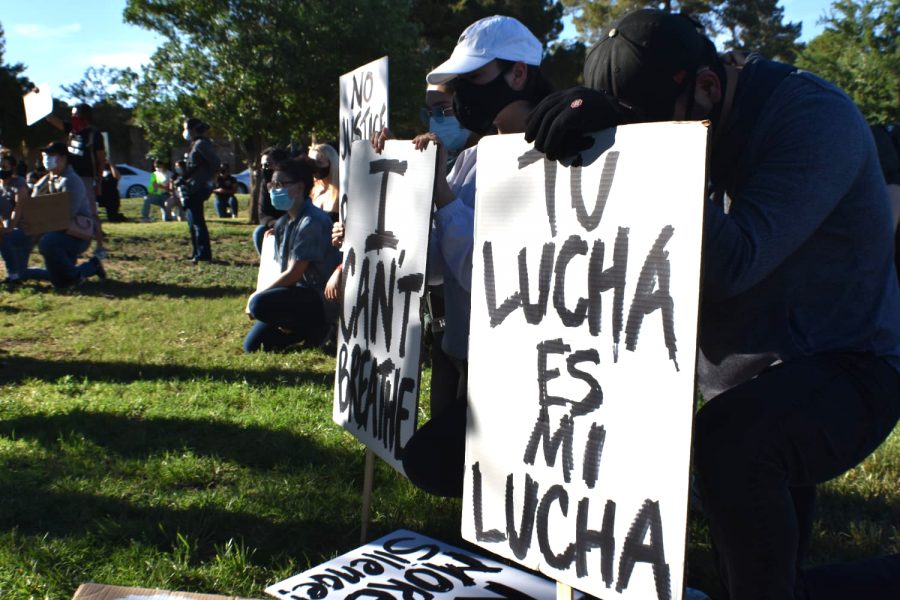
5, 174
267, 174
323, 172
477, 105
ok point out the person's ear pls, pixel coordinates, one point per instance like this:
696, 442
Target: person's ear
707, 88
517, 76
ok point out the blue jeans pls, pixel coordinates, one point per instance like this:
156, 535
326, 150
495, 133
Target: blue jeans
196, 221
224, 204
156, 200
16, 249
61, 251
286, 316
761, 448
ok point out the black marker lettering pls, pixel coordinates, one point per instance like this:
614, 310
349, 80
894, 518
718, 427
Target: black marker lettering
634, 550
497, 314
520, 542
478, 509
588, 539
572, 246
556, 493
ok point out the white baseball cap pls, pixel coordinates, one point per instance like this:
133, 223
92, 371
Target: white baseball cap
485, 40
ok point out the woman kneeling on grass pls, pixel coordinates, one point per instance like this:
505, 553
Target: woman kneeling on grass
293, 308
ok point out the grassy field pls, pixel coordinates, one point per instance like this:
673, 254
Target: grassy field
140, 446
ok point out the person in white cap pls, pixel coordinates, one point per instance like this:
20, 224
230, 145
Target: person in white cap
494, 72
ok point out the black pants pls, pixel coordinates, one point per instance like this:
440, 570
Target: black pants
760, 450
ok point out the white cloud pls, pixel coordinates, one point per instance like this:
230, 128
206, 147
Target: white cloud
43, 32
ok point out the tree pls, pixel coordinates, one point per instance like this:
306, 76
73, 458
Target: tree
858, 51
758, 26
261, 71
591, 17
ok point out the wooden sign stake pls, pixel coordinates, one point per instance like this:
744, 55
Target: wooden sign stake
368, 479
563, 591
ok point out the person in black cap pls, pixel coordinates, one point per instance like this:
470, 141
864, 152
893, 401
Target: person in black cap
797, 270
61, 249
197, 183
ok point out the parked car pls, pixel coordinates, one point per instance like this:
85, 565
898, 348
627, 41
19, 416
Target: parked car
243, 181
133, 182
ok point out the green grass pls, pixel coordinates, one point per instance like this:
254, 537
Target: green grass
140, 446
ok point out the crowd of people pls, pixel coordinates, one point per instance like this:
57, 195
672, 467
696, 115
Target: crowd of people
800, 310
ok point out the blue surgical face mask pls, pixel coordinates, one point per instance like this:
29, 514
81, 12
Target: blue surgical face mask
50, 161
281, 199
451, 133
186, 135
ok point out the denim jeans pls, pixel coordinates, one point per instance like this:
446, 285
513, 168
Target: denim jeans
61, 251
196, 221
286, 316
156, 200
226, 206
760, 450
16, 249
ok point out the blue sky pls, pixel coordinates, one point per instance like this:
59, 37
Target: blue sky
58, 42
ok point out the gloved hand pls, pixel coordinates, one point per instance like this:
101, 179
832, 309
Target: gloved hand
559, 124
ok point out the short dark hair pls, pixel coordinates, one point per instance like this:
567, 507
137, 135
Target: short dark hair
84, 109
8, 156
298, 169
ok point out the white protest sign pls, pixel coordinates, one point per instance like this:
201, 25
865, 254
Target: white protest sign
269, 268
364, 111
405, 564
376, 387
582, 351
38, 103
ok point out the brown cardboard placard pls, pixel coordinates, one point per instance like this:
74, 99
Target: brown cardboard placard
43, 213
98, 591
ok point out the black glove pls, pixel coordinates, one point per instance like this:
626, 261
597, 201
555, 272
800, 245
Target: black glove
559, 125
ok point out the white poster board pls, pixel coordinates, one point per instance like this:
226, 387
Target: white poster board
38, 103
404, 564
581, 358
376, 386
364, 111
269, 268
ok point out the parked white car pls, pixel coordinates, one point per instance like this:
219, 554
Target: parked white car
133, 182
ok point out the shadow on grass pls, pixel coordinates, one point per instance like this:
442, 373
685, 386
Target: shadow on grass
17, 368
137, 438
133, 289
37, 510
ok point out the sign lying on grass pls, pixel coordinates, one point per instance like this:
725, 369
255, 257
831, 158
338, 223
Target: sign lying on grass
581, 358
95, 591
364, 111
376, 386
405, 565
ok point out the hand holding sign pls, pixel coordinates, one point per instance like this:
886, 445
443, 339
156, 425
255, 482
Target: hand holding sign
38, 103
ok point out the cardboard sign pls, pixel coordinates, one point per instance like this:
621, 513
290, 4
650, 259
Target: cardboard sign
404, 565
45, 212
364, 111
582, 352
38, 103
96, 591
376, 386
269, 269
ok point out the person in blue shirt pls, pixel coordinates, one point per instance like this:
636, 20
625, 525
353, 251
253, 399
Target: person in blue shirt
800, 306
292, 308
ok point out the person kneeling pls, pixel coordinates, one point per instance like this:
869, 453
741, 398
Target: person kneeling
293, 308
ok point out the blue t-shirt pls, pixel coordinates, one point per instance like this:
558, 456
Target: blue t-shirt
308, 237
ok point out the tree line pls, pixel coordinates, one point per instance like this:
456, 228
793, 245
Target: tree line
263, 72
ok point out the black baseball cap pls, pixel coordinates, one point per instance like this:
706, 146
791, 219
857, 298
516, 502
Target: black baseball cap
648, 58
57, 148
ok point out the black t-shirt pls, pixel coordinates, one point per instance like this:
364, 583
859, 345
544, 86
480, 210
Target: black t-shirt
83, 147
226, 182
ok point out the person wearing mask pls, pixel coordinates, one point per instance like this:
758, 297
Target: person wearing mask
800, 305
15, 245
225, 190
87, 154
293, 308
496, 78
268, 214
197, 184
325, 193
61, 249
36, 174
159, 192
109, 194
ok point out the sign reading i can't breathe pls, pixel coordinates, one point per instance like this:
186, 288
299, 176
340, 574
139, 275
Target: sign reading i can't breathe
585, 290
376, 387
405, 565
364, 111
